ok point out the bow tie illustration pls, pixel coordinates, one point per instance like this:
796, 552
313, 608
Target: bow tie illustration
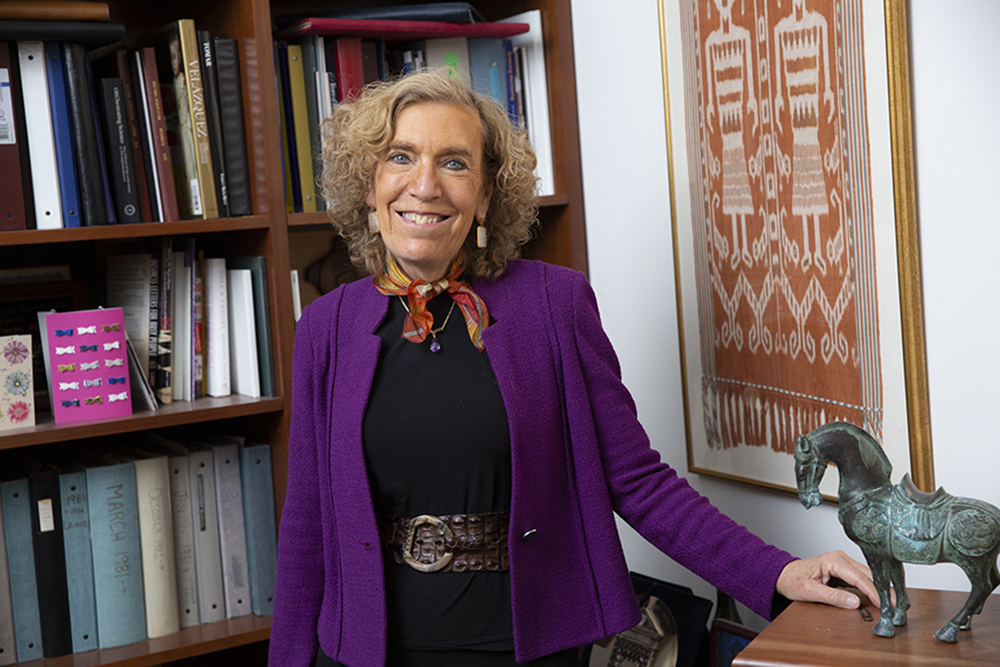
116, 380
91, 366
66, 350
64, 332
63, 368
110, 327
95, 400
92, 383
88, 348
86, 330
108, 363
68, 404
118, 397
67, 386
111, 346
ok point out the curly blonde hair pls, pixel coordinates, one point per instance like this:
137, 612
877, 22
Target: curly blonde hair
356, 138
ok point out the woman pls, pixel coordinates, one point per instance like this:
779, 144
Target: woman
451, 488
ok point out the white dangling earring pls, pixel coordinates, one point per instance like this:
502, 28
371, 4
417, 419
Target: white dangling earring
372, 221
481, 236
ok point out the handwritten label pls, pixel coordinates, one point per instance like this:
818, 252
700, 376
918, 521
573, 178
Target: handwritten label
46, 521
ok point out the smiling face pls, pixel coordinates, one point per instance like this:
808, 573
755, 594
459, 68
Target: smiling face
430, 187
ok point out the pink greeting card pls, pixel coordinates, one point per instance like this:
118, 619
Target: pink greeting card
88, 365
17, 386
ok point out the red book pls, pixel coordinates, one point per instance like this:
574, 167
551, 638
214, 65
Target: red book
398, 31
123, 71
158, 125
12, 140
349, 67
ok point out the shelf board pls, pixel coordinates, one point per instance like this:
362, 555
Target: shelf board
101, 232
189, 642
321, 217
173, 414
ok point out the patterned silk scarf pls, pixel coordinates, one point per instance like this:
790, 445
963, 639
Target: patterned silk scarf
420, 321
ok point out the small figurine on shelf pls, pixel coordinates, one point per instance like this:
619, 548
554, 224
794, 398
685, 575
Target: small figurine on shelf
896, 524
17, 391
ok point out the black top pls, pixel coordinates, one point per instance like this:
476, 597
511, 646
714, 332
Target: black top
437, 441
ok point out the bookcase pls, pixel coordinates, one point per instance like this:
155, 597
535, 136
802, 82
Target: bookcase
287, 241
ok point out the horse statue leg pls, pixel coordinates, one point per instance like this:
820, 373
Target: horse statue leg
898, 575
984, 578
881, 566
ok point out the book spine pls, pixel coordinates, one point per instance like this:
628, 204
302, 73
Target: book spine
50, 563
243, 361
8, 643
146, 148
233, 127
350, 69
156, 540
164, 381
303, 143
109, 206
199, 118
209, 75
12, 142
187, 576
90, 178
261, 526
139, 161
16, 504
118, 150
207, 550
198, 330
217, 325
510, 81
153, 352
62, 135
79, 560
158, 136
293, 189
41, 139
232, 531
114, 536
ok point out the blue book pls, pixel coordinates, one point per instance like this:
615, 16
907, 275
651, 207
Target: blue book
510, 83
65, 156
285, 100
79, 560
15, 498
114, 539
488, 61
261, 526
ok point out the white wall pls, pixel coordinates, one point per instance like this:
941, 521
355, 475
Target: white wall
956, 59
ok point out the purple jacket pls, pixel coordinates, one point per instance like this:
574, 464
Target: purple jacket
578, 455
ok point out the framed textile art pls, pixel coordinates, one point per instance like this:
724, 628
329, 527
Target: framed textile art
791, 175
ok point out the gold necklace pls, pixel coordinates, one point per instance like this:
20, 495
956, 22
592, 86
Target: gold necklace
435, 345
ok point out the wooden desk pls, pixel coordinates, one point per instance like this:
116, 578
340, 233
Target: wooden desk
812, 635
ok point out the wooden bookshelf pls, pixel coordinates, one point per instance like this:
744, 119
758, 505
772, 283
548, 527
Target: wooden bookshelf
284, 240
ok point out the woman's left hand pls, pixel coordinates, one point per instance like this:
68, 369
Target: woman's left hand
808, 580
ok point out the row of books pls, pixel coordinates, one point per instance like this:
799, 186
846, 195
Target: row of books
103, 549
200, 325
154, 134
327, 60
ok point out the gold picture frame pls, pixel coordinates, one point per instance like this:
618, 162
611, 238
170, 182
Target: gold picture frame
729, 392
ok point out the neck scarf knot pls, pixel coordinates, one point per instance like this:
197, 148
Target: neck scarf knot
419, 321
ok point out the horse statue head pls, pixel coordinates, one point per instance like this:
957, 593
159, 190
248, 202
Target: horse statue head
809, 469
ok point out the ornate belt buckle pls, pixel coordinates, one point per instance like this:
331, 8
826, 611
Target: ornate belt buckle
411, 535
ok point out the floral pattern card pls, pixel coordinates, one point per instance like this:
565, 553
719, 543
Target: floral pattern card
88, 365
17, 389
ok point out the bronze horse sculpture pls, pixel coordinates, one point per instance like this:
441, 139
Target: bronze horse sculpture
897, 524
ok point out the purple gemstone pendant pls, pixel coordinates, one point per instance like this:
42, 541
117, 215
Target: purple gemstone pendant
435, 345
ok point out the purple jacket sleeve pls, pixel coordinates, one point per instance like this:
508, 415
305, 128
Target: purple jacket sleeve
650, 495
300, 577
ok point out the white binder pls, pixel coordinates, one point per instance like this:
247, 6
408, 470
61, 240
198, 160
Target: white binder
41, 137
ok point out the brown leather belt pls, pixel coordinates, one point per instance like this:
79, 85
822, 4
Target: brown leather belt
453, 543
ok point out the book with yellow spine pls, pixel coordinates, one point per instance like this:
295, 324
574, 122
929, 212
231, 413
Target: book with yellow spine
300, 111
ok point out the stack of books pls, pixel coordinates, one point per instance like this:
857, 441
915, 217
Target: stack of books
106, 548
322, 60
117, 140
200, 325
